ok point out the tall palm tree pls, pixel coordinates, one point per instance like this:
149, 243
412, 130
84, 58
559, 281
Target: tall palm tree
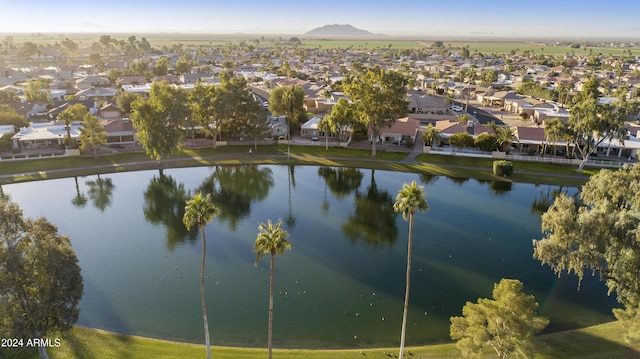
431, 136
271, 240
505, 136
410, 199
200, 211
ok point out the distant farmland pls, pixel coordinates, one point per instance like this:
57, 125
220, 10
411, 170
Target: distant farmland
197, 40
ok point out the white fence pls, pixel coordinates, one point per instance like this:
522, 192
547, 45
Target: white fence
539, 159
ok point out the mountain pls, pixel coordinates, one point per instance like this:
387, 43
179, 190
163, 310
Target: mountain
339, 30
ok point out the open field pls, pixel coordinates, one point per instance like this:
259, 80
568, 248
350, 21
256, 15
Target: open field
481, 45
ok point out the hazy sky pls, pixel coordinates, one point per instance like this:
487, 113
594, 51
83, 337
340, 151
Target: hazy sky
560, 18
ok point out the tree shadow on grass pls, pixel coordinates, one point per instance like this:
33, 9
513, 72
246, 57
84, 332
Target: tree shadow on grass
581, 344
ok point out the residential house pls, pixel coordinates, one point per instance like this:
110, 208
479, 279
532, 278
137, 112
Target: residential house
311, 128
448, 128
279, 126
97, 93
192, 78
403, 130
530, 139
45, 135
119, 131
540, 115
30, 110
92, 81
420, 103
131, 80
59, 106
109, 112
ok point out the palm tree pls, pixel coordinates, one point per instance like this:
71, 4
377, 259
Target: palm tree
200, 211
431, 136
410, 199
272, 240
505, 136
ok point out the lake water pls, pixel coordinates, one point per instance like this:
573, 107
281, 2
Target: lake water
342, 283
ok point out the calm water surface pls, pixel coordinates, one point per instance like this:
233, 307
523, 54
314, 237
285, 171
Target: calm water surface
341, 285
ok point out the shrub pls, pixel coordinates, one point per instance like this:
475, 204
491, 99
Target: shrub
461, 140
486, 142
503, 168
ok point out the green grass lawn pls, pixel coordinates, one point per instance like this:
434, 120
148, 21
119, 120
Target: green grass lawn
597, 342
453, 166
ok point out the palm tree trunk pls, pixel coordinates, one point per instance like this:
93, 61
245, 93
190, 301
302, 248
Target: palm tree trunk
204, 305
406, 291
270, 330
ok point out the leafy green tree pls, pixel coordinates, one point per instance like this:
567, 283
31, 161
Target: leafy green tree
507, 323
198, 212
599, 233
593, 123
6, 143
208, 108
8, 116
37, 90
92, 134
161, 67
379, 99
40, 280
288, 101
254, 122
160, 119
125, 99
553, 130
342, 118
461, 140
410, 199
431, 136
184, 64
271, 240
72, 114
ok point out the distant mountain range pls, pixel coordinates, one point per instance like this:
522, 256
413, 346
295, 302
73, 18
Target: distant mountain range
339, 30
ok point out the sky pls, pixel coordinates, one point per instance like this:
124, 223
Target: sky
541, 18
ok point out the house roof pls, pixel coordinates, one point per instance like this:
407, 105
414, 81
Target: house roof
128, 80
450, 127
97, 92
424, 101
93, 80
312, 124
404, 126
530, 134
117, 126
6, 129
47, 131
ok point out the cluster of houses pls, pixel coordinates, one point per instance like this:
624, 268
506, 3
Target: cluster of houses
321, 68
